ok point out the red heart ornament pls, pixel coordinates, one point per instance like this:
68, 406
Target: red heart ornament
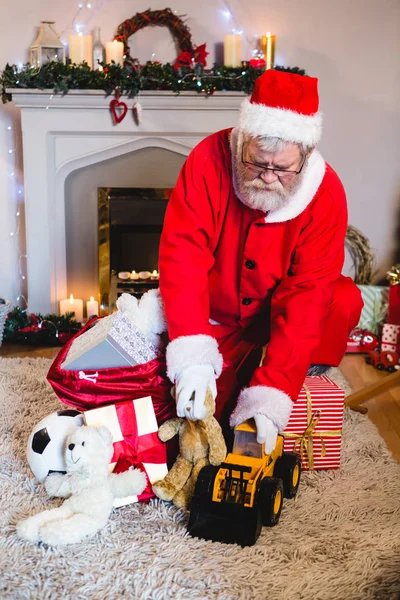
118, 110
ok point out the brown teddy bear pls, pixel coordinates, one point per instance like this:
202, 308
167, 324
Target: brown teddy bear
200, 443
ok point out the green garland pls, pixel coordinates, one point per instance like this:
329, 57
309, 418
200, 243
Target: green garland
39, 330
131, 79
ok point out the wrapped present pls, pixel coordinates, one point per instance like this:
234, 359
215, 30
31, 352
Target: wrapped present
314, 429
374, 312
134, 428
394, 295
113, 341
391, 337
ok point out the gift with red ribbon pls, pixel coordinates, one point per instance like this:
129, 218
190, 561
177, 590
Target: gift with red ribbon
394, 295
134, 428
314, 429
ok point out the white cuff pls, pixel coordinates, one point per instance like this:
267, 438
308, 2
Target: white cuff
188, 350
268, 401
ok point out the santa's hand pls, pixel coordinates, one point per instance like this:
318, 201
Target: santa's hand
191, 388
267, 432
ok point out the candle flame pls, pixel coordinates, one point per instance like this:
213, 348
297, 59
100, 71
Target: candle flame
155, 272
91, 299
71, 298
268, 34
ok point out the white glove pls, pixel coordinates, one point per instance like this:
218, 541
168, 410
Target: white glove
267, 432
191, 387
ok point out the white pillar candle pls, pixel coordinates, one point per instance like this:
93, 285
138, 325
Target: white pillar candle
232, 50
80, 49
92, 307
115, 52
72, 304
155, 275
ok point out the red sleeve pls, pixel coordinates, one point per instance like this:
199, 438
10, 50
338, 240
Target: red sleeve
302, 299
185, 250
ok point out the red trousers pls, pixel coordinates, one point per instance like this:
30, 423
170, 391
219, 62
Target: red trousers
242, 347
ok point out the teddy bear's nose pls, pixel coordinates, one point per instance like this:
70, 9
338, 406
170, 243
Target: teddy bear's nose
71, 446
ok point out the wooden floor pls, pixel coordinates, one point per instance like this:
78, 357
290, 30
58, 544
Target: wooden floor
384, 410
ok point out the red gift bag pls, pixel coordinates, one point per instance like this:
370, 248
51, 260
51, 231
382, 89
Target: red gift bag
92, 389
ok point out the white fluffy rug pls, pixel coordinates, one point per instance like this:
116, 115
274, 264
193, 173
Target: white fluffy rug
339, 539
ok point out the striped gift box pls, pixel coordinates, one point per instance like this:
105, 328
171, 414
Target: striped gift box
134, 428
374, 312
315, 425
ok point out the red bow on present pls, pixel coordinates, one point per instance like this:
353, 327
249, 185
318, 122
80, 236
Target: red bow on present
186, 59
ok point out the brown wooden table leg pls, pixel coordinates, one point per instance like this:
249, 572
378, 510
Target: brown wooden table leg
370, 391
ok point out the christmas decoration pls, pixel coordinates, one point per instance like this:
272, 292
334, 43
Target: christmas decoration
163, 18
362, 255
47, 47
61, 78
118, 108
39, 330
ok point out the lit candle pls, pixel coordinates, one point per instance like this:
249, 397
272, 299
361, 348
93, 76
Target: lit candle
92, 307
232, 50
72, 304
115, 52
134, 275
268, 48
80, 49
154, 275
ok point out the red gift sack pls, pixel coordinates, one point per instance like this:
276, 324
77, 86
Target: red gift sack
92, 389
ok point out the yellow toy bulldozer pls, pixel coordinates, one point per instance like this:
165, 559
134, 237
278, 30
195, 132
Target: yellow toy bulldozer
232, 502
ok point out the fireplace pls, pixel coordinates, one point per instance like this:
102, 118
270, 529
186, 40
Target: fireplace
64, 135
130, 225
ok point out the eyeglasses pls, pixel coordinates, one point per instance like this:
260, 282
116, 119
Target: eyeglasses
260, 169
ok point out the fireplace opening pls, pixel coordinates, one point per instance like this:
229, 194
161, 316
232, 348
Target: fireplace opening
130, 225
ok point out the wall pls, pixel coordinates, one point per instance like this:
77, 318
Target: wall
353, 47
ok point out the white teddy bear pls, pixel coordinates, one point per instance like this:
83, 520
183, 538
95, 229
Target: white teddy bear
147, 314
89, 487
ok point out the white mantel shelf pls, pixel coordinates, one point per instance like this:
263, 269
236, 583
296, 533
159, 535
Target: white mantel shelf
63, 133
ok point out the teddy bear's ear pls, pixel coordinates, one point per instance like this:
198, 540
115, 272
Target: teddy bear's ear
105, 434
127, 303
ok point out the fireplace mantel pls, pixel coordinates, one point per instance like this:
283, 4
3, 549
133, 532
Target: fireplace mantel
64, 133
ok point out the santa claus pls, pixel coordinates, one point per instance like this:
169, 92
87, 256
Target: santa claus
251, 254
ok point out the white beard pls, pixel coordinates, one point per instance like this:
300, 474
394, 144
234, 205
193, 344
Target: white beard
255, 193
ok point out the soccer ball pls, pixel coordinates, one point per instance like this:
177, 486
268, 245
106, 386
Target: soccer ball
46, 444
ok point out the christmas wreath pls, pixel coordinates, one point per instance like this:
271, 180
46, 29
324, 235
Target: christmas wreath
164, 18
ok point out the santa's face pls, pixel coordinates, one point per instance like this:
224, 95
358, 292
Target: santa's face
270, 189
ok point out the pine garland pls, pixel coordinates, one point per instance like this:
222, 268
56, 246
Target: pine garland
39, 330
131, 79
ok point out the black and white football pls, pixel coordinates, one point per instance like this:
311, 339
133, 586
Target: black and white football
46, 444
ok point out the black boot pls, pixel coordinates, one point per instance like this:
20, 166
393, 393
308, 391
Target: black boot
315, 370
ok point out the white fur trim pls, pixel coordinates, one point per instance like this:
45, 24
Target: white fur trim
188, 350
313, 176
258, 119
268, 401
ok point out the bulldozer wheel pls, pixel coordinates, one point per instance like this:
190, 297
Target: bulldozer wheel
288, 468
270, 498
205, 483
380, 366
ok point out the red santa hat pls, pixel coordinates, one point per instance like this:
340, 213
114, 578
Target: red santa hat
283, 105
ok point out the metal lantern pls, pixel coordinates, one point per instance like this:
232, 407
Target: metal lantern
47, 46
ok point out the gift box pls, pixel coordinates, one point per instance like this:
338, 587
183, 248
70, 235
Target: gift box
113, 341
314, 429
134, 428
391, 337
394, 295
374, 312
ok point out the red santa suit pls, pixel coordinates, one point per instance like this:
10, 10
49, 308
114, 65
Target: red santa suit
233, 278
